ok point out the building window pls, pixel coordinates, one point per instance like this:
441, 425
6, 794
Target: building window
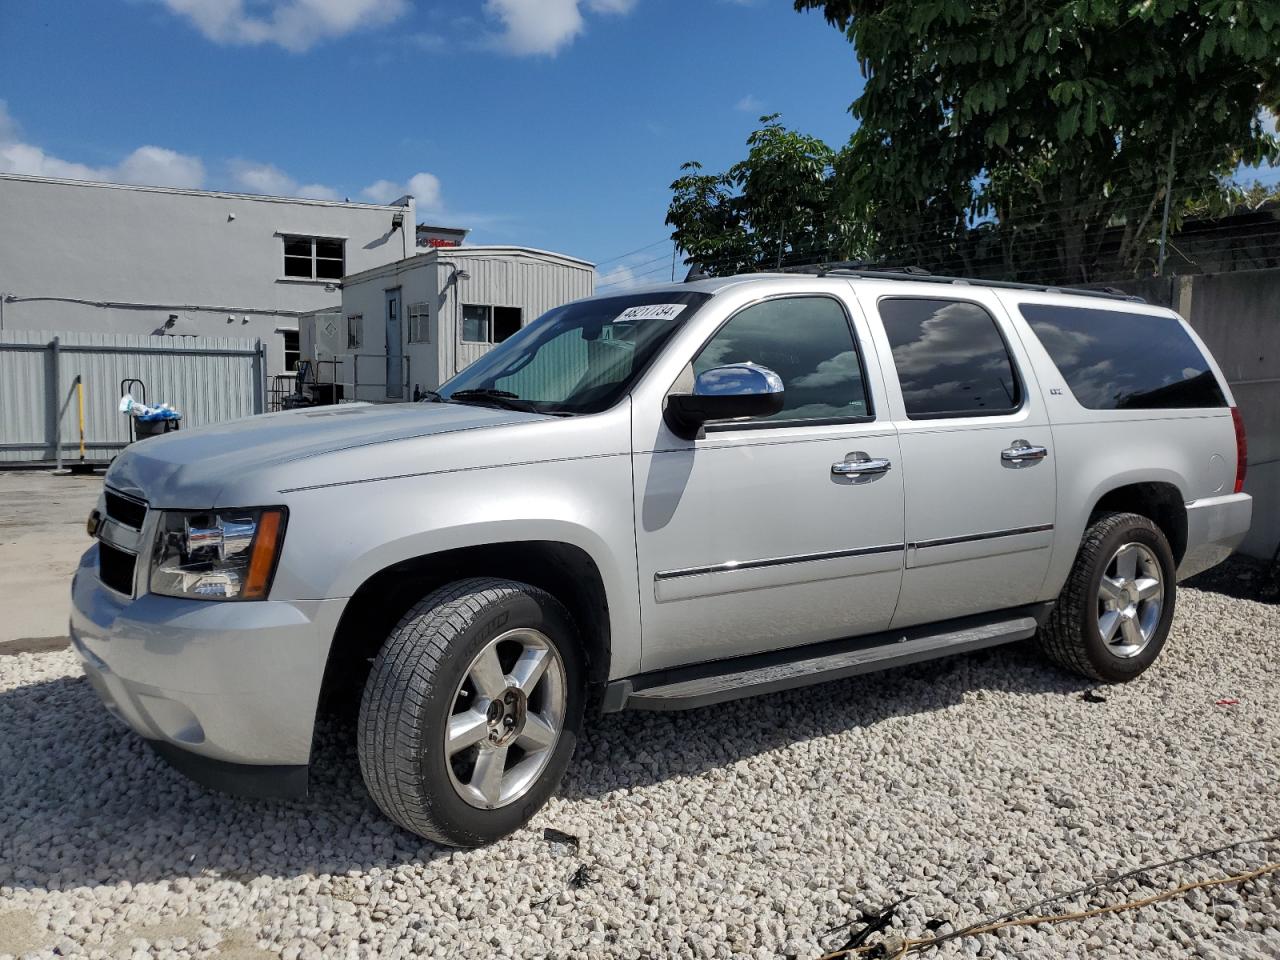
291, 352
485, 324
355, 331
314, 258
419, 320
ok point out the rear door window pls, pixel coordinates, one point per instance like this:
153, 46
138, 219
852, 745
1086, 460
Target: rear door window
1118, 360
951, 358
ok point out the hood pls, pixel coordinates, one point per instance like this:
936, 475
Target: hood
188, 468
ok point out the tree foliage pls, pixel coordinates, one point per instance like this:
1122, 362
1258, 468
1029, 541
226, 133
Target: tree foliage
1049, 124
776, 207
1032, 140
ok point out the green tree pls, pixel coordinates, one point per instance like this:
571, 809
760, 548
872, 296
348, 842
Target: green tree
1033, 139
778, 206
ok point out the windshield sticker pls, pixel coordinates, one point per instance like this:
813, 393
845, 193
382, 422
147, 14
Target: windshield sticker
651, 311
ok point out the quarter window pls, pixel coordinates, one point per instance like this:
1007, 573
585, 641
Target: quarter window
808, 342
314, 258
1117, 360
951, 359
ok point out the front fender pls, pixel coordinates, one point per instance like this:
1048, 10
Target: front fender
339, 536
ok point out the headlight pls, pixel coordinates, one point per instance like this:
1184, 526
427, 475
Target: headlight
217, 554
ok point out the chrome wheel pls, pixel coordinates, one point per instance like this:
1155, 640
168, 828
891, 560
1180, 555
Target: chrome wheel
1130, 600
507, 715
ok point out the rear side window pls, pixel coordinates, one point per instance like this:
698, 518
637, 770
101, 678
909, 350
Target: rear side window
951, 359
1116, 360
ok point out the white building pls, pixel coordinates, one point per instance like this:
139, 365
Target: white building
416, 322
112, 258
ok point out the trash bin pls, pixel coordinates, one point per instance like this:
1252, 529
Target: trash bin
153, 428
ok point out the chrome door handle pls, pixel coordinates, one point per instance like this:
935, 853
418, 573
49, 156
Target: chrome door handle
1023, 452
860, 468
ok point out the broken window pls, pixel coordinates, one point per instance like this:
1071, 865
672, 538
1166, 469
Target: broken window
506, 321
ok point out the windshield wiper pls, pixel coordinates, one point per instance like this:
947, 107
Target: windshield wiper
499, 398
430, 396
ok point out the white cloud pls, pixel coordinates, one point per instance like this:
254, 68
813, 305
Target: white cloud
271, 181
147, 165
158, 166
636, 270
424, 188
545, 27
295, 25
749, 104
617, 278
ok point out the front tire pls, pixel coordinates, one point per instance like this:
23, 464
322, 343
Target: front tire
472, 711
1112, 618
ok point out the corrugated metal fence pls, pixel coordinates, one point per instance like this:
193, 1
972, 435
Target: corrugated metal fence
207, 379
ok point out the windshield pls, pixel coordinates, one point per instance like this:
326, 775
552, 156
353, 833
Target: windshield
579, 358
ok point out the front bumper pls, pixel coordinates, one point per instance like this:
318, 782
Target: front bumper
1215, 527
227, 691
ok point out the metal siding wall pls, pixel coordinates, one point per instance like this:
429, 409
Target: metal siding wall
535, 285
204, 388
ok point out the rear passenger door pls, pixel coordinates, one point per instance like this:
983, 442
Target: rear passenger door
977, 453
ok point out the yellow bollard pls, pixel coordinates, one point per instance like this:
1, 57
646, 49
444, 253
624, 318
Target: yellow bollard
80, 398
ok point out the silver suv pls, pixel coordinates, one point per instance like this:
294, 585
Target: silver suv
658, 500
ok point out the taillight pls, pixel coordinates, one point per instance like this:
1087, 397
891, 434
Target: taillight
1242, 449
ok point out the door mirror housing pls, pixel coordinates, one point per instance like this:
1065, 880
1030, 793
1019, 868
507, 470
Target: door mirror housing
735, 391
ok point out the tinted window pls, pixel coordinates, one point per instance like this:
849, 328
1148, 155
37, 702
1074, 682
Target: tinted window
808, 343
1115, 360
951, 359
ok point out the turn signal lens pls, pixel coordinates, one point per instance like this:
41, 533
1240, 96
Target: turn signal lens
262, 561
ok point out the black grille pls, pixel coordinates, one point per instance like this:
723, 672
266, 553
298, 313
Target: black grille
115, 568
128, 511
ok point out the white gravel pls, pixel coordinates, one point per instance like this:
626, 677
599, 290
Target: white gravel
973, 785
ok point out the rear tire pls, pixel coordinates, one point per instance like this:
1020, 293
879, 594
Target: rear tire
471, 711
1112, 618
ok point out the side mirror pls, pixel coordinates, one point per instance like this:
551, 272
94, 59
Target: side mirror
731, 392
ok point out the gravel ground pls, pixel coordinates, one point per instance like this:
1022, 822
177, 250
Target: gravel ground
973, 785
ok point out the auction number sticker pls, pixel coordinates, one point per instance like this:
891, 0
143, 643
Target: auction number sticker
652, 311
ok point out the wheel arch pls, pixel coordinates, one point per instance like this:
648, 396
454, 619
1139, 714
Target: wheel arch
1160, 501
565, 570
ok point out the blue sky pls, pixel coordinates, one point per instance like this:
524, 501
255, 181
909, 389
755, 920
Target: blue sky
552, 123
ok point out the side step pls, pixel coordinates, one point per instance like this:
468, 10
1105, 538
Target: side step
708, 683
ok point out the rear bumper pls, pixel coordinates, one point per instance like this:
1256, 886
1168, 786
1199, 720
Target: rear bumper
1215, 527
226, 691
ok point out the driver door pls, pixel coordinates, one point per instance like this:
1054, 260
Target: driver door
747, 539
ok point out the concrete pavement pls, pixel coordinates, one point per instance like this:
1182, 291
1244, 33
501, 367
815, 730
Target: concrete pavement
42, 535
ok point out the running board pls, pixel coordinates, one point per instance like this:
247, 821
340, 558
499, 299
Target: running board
707, 683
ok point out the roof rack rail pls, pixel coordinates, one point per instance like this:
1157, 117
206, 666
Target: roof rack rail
822, 269
854, 268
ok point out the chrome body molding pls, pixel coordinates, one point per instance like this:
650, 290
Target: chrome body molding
730, 565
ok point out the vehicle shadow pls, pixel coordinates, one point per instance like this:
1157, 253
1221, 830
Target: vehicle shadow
83, 801
1240, 578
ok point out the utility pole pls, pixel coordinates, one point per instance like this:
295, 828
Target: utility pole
673, 261
1168, 197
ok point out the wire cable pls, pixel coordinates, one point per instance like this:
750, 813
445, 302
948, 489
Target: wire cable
1019, 918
